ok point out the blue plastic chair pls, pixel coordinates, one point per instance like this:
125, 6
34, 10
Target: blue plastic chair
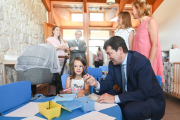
14, 94
96, 73
63, 79
159, 78
104, 68
88, 67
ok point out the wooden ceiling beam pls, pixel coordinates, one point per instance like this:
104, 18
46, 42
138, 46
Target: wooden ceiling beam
66, 3
101, 28
56, 19
85, 6
100, 4
122, 5
156, 4
47, 4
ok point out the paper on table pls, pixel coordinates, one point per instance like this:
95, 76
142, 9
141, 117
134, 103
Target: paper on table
101, 106
33, 118
94, 115
27, 110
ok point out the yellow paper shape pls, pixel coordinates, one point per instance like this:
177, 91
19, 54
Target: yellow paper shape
54, 111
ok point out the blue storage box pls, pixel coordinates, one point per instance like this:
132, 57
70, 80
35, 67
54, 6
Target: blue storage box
87, 104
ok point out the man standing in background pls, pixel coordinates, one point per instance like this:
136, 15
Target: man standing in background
77, 48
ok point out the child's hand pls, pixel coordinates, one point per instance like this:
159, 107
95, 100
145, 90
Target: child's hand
69, 91
80, 94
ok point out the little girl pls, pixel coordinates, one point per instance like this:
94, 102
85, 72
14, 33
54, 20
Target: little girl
75, 79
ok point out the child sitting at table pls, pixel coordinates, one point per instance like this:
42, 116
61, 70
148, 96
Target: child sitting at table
75, 79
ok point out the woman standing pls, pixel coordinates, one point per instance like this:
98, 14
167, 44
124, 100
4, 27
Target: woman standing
98, 59
146, 40
95, 60
125, 29
58, 43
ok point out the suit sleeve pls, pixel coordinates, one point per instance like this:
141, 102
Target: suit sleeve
107, 84
144, 76
82, 49
71, 45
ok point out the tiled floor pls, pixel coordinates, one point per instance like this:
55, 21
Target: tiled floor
172, 105
172, 108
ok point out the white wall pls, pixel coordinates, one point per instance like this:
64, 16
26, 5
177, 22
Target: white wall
168, 18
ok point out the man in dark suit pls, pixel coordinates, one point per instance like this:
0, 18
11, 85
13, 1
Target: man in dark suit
140, 96
77, 47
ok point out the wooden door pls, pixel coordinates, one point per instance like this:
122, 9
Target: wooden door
47, 30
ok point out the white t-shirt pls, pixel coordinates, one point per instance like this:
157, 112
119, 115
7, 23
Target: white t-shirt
77, 85
124, 33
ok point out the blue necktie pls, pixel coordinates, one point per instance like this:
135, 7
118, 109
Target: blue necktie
123, 78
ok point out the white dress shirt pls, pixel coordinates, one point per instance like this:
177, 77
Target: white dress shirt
77, 43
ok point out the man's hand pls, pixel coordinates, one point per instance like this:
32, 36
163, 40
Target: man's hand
106, 98
72, 48
90, 80
66, 48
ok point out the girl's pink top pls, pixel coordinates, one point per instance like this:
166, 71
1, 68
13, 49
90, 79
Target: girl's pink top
142, 44
100, 55
56, 43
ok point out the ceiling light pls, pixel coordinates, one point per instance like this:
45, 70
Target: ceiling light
110, 2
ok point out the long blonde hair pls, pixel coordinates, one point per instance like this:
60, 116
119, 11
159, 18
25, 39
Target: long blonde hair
126, 19
142, 7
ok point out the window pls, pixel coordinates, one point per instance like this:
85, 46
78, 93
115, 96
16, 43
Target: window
69, 34
98, 34
96, 17
96, 43
77, 17
114, 19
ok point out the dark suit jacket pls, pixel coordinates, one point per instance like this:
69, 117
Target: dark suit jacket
77, 53
142, 84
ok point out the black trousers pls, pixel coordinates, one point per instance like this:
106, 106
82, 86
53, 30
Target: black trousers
136, 110
33, 89
96, 63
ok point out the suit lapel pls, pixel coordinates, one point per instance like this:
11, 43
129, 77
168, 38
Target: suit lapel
129, 59
80, 43
118, 74
128, 63
75, 43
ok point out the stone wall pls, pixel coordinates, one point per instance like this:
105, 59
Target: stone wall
21, 24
